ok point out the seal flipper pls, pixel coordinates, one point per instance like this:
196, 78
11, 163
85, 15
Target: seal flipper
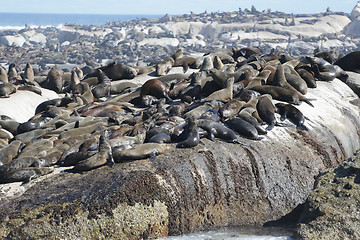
241, 143
302, 127
153, 156
110, 160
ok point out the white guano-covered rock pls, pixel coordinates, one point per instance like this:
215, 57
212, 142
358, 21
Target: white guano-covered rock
16, 40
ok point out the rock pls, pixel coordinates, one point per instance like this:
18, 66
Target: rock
332, 208
217, 184
354, 82
16, 40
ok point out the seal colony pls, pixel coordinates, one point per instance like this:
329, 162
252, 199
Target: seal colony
102, 118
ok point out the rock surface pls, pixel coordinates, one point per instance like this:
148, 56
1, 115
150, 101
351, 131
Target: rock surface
186, 190
332, 209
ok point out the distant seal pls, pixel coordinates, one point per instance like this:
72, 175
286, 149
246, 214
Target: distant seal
323, 70
178, 54
350, 62
116, 71
153, 87
12, 72
190, 135
6, 89
207, 64
164, 66
292, 113
140, 151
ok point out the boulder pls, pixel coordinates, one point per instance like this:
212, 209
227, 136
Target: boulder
217, 184
16, 40
332, 208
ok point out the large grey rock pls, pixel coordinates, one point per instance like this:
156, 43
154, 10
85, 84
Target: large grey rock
354, 82
184, 190
16, 40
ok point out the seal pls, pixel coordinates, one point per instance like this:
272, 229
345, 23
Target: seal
283, 94
218, 130
57, 102
247, 115
24, 175
223, 94
307, 77
141, 151
12, 72
29, 73
243, 128
6, 89
102, 157
103, 87
54, 80
3, 75
190, 135
231, 108
155, 88
350, 62
164, 66
30, 88
218, 64
292, 113
160, 138
207, 64
266, 110
115, 71
9, 152
323, 70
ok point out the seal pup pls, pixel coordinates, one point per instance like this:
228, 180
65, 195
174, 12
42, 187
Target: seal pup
247, 115
292, 113
231, 108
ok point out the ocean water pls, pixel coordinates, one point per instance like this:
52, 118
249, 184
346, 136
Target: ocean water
43, 19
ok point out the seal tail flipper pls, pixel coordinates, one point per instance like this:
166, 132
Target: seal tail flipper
302, 127
270, 127
282, 124
185, 67
152, 156
308, 101
241, 143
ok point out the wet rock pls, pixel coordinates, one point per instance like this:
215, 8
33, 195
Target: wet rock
332, 208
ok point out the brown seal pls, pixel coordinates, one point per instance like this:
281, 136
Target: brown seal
223, 94
54, 80
323, 70
283, 94
9, 152
141, 151
164, 66
24, 174
266, 110
6, 89
3, 75
155, 88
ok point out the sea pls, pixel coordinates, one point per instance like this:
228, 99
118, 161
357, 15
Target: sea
20, 20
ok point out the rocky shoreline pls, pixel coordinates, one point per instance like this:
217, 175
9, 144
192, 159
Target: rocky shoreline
253, 178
